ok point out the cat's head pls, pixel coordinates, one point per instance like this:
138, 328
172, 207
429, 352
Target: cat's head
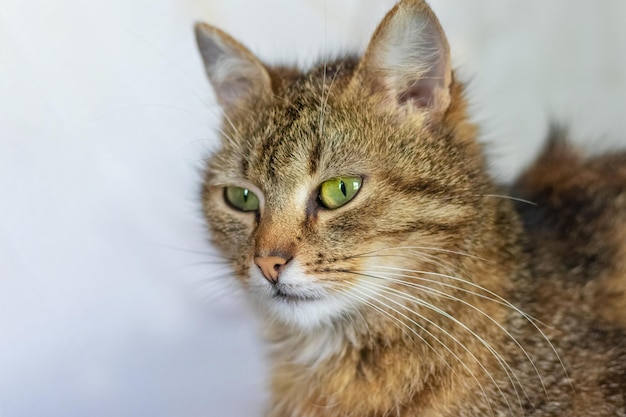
333, 183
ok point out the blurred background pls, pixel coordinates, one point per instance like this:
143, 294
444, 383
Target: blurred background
111, 301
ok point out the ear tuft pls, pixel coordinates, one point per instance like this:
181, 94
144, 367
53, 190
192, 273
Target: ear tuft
237, 76
409, 59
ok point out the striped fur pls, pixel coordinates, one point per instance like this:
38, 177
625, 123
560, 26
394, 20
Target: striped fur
430, 293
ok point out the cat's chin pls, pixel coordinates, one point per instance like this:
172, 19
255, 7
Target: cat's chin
288, 297
304, 313
298, 302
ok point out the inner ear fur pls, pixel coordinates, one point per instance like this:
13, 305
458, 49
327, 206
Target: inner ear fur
237, 76
408, 60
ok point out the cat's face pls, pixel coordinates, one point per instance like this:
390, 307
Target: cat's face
332, 185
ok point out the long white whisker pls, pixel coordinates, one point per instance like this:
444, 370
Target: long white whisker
465, 281
211, 291
444, 284
325, 100
451, 297
505, 366
230, 139
232, 125
508, 197
364, 301
320, 126
428, 258
527, 317
444, 331
390, 316
435, 249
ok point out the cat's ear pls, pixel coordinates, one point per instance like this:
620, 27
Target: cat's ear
237, 76
408, 60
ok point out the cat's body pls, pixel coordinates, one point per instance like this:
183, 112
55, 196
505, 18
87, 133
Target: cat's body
393, 277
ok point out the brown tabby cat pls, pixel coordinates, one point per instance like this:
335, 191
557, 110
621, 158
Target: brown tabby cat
353, 203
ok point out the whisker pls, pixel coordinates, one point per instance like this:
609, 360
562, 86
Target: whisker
230, 138
210, 289
508, 197
350, 295
435, 249
430, 259
325, 100
473, 375
401, 325
219, 112
237, 135
527, 317
205, 263
501, 361
207, 105
443, 284
453, 298
445, 332
464, 281
176, 248
170, 60
320, 122
145, 106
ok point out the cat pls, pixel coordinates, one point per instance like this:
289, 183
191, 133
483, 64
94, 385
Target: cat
393, 276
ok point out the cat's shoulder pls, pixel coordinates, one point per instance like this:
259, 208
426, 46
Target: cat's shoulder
576, 219
579, 194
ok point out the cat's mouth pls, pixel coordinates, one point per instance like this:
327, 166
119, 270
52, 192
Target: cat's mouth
283, 295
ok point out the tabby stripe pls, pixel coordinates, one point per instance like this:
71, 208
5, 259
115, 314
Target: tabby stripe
422, 186
314, 157
424, 225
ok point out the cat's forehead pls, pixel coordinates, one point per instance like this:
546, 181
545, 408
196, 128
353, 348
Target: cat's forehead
312, 130
311, 144
304, 132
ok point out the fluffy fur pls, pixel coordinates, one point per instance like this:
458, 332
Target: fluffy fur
430, 293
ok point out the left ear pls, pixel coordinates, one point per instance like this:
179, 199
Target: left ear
238, 77
408, 60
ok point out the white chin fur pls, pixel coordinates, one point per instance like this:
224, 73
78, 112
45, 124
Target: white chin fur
309, 314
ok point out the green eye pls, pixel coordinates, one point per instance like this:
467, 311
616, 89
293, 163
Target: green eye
338, 191
241, 198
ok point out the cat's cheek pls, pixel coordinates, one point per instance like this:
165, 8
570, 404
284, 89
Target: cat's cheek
230, 229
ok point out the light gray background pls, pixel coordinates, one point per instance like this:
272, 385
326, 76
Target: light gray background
109, 302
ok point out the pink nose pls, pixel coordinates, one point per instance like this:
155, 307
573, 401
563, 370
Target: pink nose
270, 266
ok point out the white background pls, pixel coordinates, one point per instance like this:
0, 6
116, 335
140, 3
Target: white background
110, 303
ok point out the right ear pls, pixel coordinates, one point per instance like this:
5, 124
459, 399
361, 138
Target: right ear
237, 76
408, 61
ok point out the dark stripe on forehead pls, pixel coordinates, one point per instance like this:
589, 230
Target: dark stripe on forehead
293, 110
244, 164
314, 157
272, 161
